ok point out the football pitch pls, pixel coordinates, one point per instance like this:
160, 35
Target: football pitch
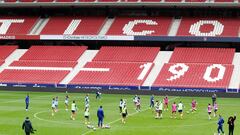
12, 115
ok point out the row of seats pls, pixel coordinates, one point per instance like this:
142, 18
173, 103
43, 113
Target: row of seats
126, 66
117, 73
37, 63
32, 76
194, 75
202, 55
43, 64
126, 54
74, 25
54, 53
5, 51
118, 66
136, 26
197, 68
117, 0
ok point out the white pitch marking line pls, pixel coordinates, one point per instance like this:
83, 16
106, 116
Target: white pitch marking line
52, 121
90, 131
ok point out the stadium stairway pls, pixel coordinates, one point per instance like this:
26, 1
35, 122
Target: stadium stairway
39, 26
106, 26
12, 57
235, 80
87, 56
174, 27
162, 57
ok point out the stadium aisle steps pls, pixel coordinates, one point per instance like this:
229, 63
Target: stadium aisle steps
162, 57
14, 56
235, 79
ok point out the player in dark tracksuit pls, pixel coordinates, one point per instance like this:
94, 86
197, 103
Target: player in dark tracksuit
100, 115
231, 124
152, 101
27, 126
220, 124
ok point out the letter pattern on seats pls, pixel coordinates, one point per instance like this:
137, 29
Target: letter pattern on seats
209, 69
177, 73
217, 28
128, 28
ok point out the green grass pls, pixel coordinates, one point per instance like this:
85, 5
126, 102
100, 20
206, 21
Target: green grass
12, 114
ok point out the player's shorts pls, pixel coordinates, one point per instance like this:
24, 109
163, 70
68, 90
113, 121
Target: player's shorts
166, 103
180, 111
73, 111
215, 110
124, 115
209, 113
120, 108
160, 111
157, 111
56, 106
87, 117
174, 111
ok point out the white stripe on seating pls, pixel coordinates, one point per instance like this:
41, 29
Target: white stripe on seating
59, 68
39, 68
95, 69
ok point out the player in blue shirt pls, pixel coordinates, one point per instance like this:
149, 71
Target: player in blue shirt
100, 115
220, 124
152, 101
27, 100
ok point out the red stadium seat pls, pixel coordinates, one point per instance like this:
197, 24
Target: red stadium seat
107, 0
1, 62
73, 25
194, 75
195, 0
5, 51
134, 54
151, 0
65, 0
142, 26
26, 0
54, 53
209, 27
87, 0
129, 0
45, 0
30, 63
10, 0
121, 73
224, 0
202, 55
173, 0
18, 25
32, 76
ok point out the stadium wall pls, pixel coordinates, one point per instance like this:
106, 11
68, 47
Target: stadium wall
121, 90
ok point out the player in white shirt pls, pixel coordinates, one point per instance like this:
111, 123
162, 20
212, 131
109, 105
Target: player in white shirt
180, 107
56, 104
53, 106
74, 109
66, 102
